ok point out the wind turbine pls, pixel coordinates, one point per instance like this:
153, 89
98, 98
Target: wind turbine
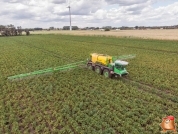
70, 16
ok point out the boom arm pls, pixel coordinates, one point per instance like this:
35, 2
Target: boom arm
64, 67
123, 57
48, 70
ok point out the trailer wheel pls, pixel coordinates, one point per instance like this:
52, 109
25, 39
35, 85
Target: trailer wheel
98, 70
89, 66
107, 73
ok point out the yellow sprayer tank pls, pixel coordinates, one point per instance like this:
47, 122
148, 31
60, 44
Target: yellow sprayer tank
101, 58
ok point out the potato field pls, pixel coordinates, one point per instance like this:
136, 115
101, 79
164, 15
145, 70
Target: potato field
79, 101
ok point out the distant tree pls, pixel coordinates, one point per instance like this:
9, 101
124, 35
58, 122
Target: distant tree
1, 27
106, 29
19, 27
38, 28
136, 27
51, 28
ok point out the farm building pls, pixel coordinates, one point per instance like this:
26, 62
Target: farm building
68, 28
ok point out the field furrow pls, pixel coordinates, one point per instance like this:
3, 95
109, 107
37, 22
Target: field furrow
79, 100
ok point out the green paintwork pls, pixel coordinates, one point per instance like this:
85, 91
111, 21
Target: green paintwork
48, 70
120, 71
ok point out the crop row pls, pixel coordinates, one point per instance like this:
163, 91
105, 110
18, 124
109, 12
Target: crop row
146, 67
57, 105
79, 100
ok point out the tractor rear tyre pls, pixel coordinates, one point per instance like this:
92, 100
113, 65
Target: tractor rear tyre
89, 66
98, 70
107, 73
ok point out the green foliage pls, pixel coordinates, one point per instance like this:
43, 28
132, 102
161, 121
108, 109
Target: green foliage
80, 101
107, 29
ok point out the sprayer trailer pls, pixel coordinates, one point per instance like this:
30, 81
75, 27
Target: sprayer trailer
102, 64
107, 65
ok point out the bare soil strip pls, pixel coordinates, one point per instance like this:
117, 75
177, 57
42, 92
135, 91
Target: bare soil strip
161, 34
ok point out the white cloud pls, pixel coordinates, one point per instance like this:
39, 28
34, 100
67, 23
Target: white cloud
46, 13
100, 14
58, 1
126, 2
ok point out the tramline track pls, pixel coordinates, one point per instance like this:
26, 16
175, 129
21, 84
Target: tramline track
50, 53
131, 47
153, 90
110, 44
157, 50
144, 87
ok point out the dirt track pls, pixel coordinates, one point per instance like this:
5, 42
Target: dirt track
151, 34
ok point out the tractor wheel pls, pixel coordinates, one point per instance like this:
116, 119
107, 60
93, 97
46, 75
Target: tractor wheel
89, 66
107, 73
98, 70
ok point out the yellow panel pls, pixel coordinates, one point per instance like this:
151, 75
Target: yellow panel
101, 58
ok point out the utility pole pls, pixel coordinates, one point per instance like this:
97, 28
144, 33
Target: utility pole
70, 17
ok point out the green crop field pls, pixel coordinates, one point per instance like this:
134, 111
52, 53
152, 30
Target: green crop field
79, 101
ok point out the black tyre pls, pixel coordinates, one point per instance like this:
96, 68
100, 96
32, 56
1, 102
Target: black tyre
107, 73
98, 70
89, 66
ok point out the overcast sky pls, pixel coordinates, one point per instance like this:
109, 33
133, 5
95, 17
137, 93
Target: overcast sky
88, 13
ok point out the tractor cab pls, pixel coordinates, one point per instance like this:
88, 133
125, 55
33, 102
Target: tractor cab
119, 67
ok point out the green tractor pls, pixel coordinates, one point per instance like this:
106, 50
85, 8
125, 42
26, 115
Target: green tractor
107, 65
